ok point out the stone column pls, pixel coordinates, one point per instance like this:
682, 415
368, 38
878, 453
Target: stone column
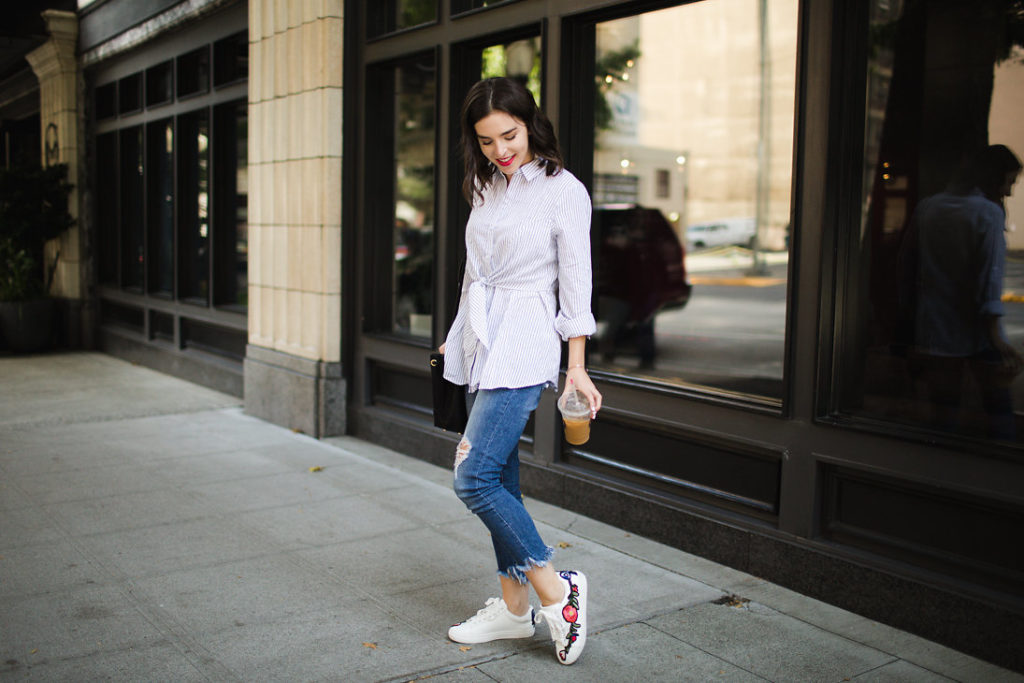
56, 66
292, 366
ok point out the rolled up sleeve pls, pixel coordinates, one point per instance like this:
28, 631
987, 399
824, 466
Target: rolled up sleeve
575, 279
993, 250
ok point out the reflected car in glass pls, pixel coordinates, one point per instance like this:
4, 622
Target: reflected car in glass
640, 272
721, 233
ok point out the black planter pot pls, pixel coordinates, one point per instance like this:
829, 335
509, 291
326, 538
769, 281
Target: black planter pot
27, 326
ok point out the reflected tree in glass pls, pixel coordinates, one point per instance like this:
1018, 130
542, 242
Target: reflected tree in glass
518, 60
413, 214
385, 16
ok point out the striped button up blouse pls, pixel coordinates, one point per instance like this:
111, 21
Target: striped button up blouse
527, 282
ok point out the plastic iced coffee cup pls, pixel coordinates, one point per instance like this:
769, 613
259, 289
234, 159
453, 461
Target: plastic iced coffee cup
575, 410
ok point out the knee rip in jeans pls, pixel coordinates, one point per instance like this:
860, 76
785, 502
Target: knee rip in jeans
461, 453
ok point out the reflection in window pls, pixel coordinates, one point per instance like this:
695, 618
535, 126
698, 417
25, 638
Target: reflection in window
693, 126
194, 72
928, 332
132, 208
193, 206
385, 16
231, 234
518, 60
106, 207
231, 59
415, 95
160, 84
459, 6
160, 205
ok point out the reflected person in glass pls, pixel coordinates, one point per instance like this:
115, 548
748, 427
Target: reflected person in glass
527, 288
960, 248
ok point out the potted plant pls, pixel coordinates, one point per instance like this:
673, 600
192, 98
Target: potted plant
33, 210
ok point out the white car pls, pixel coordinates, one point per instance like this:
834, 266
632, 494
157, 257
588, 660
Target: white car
720, 233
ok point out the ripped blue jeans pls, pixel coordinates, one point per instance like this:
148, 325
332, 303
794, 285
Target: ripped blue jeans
487, 477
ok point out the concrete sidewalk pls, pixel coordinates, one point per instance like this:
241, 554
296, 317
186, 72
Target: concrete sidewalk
149, 530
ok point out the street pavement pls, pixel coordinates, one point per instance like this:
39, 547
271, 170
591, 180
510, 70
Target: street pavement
150, 530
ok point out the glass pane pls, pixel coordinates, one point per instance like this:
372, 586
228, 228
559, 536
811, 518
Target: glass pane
132, 218
106, 101
160, 205
231, 59
231, 195
194, 72
519, 60
193, 203
414, 136
130, 94
459, 6
935, 325
385, 16
693, 132
160, 84
106, 207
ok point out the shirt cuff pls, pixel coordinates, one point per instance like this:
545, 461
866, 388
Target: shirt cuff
994, 307
580, 326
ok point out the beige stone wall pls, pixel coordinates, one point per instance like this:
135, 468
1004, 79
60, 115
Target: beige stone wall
295, 89
1004, 129
56, 66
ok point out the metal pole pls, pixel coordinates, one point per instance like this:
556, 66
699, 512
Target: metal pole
757, 266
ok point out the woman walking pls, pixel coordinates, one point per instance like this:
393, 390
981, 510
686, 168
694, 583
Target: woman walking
527, 287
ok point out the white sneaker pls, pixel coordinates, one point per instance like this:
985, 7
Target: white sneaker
567, 620
493, 622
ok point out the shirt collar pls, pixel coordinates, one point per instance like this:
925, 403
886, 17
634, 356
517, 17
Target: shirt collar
533, 169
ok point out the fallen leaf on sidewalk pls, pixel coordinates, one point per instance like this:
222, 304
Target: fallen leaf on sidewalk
316, 468
33, 650
465, 648
563, 544
732, 600
372, 646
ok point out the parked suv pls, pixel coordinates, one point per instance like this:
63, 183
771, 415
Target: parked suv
640, 271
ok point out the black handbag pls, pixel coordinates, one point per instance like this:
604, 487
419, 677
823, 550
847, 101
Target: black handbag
449, 399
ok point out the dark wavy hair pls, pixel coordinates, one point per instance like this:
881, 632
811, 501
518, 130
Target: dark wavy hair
511, 97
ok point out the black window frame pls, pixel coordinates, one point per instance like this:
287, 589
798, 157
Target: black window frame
848, 106
220, 327
575, 132
379, 201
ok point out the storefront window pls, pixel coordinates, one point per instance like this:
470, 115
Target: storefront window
193, 207
935, 324
172, 195
231, 220
160, 205
385, 16
693, 134
459, 6
401, 187
106, 209
133, 255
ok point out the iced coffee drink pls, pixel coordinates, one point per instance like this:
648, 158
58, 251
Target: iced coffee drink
575, 409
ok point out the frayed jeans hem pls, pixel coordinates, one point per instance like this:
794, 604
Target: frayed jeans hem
518, 572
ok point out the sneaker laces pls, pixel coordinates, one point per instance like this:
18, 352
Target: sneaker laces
557, 626
491, 610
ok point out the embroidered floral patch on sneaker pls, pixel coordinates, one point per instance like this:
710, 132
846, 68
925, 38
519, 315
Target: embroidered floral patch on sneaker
567, 620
